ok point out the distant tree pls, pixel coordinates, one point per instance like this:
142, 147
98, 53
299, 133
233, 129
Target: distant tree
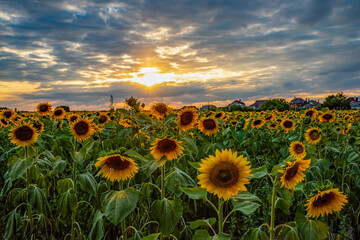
111, 105
66, 108
279, 104
133, 103
338, 101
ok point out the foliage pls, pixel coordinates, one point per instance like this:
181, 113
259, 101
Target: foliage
338, 101
278, 104
66, 108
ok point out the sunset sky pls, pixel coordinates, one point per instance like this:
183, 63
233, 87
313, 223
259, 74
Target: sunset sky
78, 53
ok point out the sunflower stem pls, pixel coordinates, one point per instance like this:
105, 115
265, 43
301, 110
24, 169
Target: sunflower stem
28, 182
272, 220
73, 215
220, 215
162, 181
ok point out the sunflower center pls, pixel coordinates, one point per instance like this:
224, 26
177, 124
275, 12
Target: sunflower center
314, 134
161, 108
273, 125
102, 119
24, 133
299, 149
117, 163
209, 124
186, 118
268, 117
291, 172
73, 118
43, 108
58, 112
7, 114
327, 116
4, 121
309, 113
323, 200
288, 124
257, 122
166, 145
81, 128
37, 125
224, 174
218, 115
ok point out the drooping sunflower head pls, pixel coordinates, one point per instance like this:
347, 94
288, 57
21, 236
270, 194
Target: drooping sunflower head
258, 123
117, 167
208, 125
224, 174
59, 113
82, 129
288, 125
7, 113
297, 150
16, 119
187, 118
294, 173
103, 119
4, 122
39, 126
160, 110
327, 117
43, 108
326, 202
72, 118
313, 135
166, 147
23, 134
311, 113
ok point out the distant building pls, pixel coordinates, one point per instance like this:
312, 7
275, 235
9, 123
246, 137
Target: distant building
297, 103
257, 104
312, 104
355, 105
207, 107
237, 103
354, 99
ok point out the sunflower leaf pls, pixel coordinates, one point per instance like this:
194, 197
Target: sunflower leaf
17, 167
259, 172
195, 193
246, 207
202, 222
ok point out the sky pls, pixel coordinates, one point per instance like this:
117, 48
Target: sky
78, 53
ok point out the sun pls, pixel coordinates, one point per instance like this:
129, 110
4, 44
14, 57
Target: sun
150, 76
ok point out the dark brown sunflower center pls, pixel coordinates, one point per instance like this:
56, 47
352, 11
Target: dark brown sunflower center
81, 128
268, 117
209, 124
24, 133
257, 122
73, 118
291, 172
7, 114
186, 118
117, 163
218, 115
58, 112
314, 134
161, 108
323, 200
37, 125
288, 124
224, 174
298, 148
327, 116
43, 108
102, 119
309, 113
273, 125
4, 121
166, 145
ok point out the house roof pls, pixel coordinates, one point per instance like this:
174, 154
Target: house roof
206, 107
237, 102
258, 103
298, 100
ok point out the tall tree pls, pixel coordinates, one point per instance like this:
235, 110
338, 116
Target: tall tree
338, 101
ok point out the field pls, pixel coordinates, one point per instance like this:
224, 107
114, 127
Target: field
187, 174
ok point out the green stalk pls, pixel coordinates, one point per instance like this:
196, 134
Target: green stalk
220, 215
123, 227
272, 220
162, 181
73, 215
28, 182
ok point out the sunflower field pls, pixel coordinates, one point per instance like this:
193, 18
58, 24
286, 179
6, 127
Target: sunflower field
179, 174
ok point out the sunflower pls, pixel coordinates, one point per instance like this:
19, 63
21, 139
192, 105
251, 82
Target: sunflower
7, 113
297, 150
258, 123
168, 147
160, 110
224, 174
310, 113
326, 202
82, 129
327, 117
272, 126
313, 135
288, 125
103, 119
294, 173
220, 115
125, 123
208, 125
39, 126
43, 108
116, 167
59, 113
23, 134
15, 119
72, 118
187, 118
269, 117
4, 122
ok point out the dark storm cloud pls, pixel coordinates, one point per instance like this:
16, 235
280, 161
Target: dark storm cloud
264, 48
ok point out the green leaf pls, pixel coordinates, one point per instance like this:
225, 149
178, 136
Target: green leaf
64, 185
195, 165
37, 198
222, 236
246, 207
67, 203
255, 233
289, 232
87, 183
13, 225
118, 205
153, 236
195, 193
201, 235
245, 196
333, 149
97, 229
17, 167
191, 145
167, 213
275, 169
311, 229
202, 222
176, 179
259, 172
